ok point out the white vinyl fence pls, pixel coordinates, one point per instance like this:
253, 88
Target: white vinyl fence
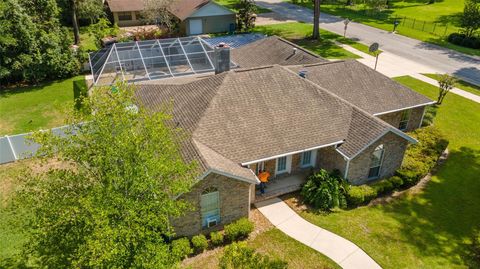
18, 147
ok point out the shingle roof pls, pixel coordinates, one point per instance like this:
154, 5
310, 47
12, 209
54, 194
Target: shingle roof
273, 50
184, 8
362, 86
125, 5
250, 114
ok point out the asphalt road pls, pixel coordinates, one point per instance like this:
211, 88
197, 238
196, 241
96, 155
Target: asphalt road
440, 59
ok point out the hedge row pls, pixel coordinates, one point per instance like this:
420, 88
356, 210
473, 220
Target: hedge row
464, 41
182, 247
419, 159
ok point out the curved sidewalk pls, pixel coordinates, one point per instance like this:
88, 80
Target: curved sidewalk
343, 252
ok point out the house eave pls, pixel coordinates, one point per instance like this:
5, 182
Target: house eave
404, 108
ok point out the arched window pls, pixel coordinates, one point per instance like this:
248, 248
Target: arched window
210, 207
376, 162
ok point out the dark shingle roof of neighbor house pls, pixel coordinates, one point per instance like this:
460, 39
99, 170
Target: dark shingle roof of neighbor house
184, 8
125, 5
362, 86
273, 50
250, 114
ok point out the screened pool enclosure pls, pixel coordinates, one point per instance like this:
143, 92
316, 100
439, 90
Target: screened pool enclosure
151, 60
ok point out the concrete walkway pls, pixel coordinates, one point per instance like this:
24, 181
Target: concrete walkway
343, 252
432, 56
392, 66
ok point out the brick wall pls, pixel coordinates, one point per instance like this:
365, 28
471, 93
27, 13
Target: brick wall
394, 146
395, 117
234, 204
329, 159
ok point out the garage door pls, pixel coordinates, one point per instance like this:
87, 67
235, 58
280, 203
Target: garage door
196, 27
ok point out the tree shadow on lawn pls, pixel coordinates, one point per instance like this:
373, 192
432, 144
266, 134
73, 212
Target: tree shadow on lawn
12, 90
441, 220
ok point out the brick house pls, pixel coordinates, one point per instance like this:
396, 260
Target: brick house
287, 111
194, 17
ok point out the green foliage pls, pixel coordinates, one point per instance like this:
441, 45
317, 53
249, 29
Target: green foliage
470, 20
421, 157
101, 29
429, 116
239, 229
396, 181
216, 238
200, 242
245, 16
181, 248
239, 256
446, 82
80, 92
324, 191
33, 46
110, 204
382, 187
358, 195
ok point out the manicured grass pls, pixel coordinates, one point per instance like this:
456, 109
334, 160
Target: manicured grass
463, 85
233, 5
275, 244
25, 109
440, 13
299, 33
430, 229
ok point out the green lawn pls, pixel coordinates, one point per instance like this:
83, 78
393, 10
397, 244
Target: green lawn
276, 244
233, 5
440, 13
299, 33
25, 109
430, 229
463, 85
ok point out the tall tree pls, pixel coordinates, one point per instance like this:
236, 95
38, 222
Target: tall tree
74, 10
316, 19
470, 19
246, 15
157, 11
33, 45
111, 203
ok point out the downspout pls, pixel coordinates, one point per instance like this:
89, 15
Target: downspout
346, 169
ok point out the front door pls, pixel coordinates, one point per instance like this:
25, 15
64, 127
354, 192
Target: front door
196, 27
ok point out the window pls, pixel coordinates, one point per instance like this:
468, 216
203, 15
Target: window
282, 164
376, 162
404, 120
210, 207
125, 16
308, 158
260, 167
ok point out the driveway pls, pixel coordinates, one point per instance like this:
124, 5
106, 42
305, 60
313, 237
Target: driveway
438, 59
340, 250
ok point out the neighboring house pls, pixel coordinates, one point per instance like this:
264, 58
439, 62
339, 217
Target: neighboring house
296, 114
194, 16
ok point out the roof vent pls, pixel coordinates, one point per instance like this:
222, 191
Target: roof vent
295, 51
303, 73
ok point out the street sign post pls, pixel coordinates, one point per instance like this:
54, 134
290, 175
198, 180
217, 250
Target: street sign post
346, 22
374, 49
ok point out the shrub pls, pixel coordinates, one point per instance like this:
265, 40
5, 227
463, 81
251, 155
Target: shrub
324, 191
358, 195
216, 238
239, 229
181, 248
382, 187
421, 157
200, 242
238, 255
463, 40
396, 181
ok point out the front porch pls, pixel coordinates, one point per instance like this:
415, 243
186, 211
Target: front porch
280, 185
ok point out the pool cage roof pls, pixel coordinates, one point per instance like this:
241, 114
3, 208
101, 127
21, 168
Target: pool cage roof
151, 60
